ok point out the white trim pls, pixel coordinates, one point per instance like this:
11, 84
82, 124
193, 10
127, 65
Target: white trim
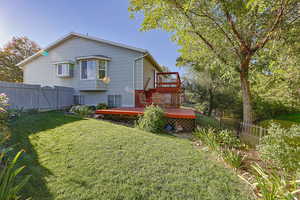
64, 62
93, 57
97, 69
62, 69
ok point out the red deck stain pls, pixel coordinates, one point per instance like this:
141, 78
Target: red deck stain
178, 113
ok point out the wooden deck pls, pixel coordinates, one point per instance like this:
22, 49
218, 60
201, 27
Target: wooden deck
176, 113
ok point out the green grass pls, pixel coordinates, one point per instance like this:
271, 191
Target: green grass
74, 158
285, 121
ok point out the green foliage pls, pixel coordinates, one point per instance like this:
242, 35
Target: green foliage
209, 137
9, 187
268, 110
12, 53
208, 122
228, 139
282, 148
15, 113
209, 87
153, 119
281, 123
233, 158
101, 106
216, 138
272, 186
3, 114
82, 110
285, 121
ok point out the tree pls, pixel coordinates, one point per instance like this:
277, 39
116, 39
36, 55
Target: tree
207, 84
234, 31
12, 53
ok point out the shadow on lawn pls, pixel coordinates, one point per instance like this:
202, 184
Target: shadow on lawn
21, 129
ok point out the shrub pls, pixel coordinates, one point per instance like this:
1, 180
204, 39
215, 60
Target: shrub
3, 114
215, 138
282, 147
228, 139
209, 137
9, 188
82, 110
3, 100
93, 108
272, 186
101, 106
153, 119
234, 159
269, 109
205, 121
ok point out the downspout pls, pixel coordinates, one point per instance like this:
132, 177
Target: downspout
133, 78
134, 62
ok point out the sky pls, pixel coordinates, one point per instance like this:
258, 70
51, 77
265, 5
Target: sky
45, 21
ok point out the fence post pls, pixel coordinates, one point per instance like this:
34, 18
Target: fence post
57, 98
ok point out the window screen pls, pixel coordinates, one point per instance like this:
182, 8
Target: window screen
114, 101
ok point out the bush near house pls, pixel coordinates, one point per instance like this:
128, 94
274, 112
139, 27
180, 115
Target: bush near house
153, 119
82, 110
101, 106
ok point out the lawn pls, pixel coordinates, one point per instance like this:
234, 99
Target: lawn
74, 158
286, 121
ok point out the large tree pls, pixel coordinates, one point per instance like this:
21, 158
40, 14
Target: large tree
12, 53
234, 31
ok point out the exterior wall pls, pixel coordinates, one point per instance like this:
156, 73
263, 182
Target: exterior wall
120, 69
148, 73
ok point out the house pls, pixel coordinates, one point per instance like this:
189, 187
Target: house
100, 71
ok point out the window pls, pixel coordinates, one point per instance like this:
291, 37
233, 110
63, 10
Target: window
78, 100
88, 69
114, 101
64, 69
102, 69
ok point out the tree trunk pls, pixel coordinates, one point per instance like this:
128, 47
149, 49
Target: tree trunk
247, 107
210, 103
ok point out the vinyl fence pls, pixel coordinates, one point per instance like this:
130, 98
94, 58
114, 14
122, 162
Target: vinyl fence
27, 96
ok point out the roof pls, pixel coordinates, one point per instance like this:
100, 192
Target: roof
73, 34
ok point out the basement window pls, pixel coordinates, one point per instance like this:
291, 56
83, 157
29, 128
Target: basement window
114, 101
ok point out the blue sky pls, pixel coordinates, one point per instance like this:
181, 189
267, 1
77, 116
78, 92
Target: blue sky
44, 21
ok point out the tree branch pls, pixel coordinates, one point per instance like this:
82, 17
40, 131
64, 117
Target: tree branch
264, 41
244, 45
220, 28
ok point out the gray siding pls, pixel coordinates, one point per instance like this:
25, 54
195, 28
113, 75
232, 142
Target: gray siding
148, 73
120, 69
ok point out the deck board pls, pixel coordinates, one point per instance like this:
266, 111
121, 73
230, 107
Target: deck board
177, 113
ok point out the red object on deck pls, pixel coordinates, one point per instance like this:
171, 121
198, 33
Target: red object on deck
177, 113
166, 94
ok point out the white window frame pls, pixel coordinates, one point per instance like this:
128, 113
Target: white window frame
67, 72
80, 74
98, 68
